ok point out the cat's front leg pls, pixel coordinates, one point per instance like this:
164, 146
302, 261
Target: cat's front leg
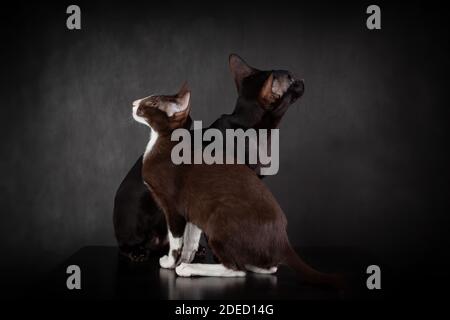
191, 240
175, 226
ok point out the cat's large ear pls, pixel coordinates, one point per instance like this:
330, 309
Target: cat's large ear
240, 69
266, 95
183, 98
184, 88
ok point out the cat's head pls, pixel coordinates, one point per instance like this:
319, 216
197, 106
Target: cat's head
164, 113
269, 89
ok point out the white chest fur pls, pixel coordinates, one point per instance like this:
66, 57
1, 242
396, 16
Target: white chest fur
151, 142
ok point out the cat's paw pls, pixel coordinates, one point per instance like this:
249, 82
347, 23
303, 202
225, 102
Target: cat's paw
167, 262
183, 270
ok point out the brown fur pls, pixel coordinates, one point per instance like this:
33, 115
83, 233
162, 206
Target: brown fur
240, 216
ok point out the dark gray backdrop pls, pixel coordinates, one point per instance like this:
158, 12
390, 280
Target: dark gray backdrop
363, 159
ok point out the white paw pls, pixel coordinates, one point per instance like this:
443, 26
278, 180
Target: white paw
232, 273
183, 270
167, 262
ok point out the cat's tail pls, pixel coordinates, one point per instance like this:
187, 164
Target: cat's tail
308, 274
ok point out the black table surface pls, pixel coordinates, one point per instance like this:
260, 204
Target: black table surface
105, 274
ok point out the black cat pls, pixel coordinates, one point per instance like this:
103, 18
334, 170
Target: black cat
264, 97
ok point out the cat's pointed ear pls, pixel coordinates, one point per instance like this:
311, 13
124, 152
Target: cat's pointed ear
184, 88
183, 97
266, 95
240, 69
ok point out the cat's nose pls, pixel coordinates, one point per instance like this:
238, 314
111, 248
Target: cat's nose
136, 103
298, 86
292, 77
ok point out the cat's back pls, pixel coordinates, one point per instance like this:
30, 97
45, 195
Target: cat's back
231, 186
223, 176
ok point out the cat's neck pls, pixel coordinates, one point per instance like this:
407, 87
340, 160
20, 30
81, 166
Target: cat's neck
158, 171
151, 142
156, 143
251, 115
245, 115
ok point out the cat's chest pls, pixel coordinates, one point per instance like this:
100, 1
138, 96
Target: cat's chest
158, 174
151, 143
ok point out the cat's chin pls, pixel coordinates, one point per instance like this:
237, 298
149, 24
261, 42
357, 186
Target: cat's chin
138, 118
297, 87
295, 91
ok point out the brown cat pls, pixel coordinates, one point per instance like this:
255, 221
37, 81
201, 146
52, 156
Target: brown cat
245, 226
140, 226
